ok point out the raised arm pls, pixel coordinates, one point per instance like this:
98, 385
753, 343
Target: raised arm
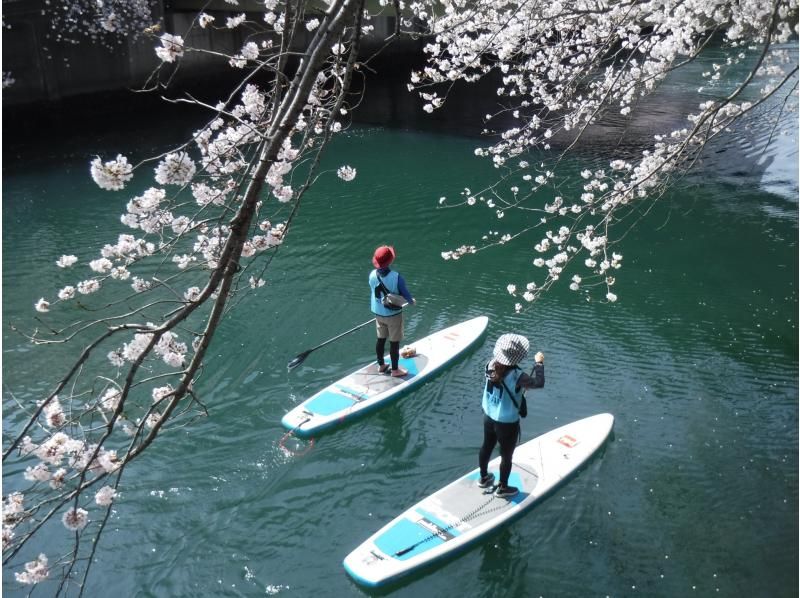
536, 379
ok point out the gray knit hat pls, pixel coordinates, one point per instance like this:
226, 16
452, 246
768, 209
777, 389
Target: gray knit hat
511, 349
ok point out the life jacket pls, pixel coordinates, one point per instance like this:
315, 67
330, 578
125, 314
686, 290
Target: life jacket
497, 404
391, 282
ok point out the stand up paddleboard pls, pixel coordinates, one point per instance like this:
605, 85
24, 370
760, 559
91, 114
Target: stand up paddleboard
462, 513
367, 389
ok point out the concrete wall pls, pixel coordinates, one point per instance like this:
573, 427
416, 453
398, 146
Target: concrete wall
45, 70
59, 85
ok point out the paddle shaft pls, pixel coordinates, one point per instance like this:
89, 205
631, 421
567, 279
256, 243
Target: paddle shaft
302, 356
337, 337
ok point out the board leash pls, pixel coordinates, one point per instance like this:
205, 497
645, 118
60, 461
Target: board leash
281, 442
443, 530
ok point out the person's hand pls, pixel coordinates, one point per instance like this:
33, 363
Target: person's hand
539, 357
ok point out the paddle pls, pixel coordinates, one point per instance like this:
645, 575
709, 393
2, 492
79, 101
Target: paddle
302, 356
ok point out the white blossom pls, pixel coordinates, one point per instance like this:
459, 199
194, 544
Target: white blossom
139, 285
58, 479
87, 287
171, 47
105, 496
346, 173
54, 414
38, 473
65, 261
111, 176
75, 519
101, 265
160, 392
35, 571
192, 294
42, 305
110, 399
175, 169
234, 22
283, 193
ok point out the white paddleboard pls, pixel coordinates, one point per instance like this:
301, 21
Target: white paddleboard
461, 513
367, 389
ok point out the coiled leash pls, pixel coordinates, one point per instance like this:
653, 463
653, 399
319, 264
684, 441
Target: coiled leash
443, 530
281, 442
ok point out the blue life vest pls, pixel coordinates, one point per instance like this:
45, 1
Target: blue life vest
496, 402
391, 283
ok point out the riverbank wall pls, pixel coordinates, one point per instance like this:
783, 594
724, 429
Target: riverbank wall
57, 85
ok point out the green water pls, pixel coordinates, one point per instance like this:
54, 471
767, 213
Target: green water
696, 493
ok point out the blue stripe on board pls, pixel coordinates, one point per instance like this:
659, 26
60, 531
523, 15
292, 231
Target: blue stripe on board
410, 365
403, 534
328, 402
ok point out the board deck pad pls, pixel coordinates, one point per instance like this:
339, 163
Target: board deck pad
462, 513
457, 508
367, 388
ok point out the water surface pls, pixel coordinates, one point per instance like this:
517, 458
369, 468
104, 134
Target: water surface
695, 494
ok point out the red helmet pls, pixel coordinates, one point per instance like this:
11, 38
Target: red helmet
384, 255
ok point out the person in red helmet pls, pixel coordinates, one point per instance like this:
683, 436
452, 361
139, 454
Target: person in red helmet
388, 319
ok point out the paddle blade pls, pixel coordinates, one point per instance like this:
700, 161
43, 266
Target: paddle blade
297, 360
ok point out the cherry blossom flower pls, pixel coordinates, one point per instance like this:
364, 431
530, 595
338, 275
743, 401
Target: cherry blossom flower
101, 265
160, 392
58, 479
65, 261
68, 292
111, 176
171, 47
346, 173
87, 287
283, 194
42, 305
110, 399
175, 169
8, 535
105, 496
192, 294
234, 22
35, 571
54, 414
140, 286
38, 473
75, 519
116, 358
13, 507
